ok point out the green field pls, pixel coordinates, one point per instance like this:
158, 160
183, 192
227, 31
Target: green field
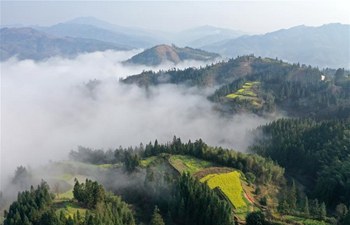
246, 92
189, 164
305, 221
67, 195
230, 185
69, 208
147, 161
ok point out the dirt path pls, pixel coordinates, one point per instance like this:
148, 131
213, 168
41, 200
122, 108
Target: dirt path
248, 198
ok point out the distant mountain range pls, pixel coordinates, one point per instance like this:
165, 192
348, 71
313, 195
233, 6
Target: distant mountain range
205, 35
161, 53
324, 46
28, 43
103, 31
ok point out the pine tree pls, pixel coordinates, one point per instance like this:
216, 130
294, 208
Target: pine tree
306, 207
283, 206
292, 197
168, 219
323, 211
156, 217
315, 209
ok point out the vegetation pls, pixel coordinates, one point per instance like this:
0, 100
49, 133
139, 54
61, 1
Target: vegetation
160, 53
321, 149
229, 184
252, 84
36, 207
183, 163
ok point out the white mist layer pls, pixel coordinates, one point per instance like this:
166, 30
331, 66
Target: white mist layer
46, 111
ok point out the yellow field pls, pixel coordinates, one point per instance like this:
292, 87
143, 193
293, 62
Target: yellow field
246, 93
184, 163
146, 162
230, 185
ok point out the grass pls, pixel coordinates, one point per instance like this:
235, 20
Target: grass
146, 162
66, 176
305, 221
89, 166
69, 208
67, 195
1, 219
189, 164
230, 185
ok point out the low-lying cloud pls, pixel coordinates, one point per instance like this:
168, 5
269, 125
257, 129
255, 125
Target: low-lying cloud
46, 110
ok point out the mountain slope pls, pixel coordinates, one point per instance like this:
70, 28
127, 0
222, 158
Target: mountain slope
205, 35
28, 43
324, 46
160, 53
265, 87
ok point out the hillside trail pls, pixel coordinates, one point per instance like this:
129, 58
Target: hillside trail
250, 200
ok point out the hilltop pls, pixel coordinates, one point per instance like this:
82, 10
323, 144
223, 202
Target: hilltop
161, 53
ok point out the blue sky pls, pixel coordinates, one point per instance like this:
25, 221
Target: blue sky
251, 16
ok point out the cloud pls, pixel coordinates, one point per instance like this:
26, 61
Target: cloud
47, 110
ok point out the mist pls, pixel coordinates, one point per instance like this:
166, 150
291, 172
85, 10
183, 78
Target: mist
47, 110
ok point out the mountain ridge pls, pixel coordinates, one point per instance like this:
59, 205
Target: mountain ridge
28, 43
323, 46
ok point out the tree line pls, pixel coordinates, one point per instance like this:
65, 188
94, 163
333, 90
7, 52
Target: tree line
36, 207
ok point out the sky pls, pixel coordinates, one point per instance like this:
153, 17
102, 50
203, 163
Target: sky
174, 16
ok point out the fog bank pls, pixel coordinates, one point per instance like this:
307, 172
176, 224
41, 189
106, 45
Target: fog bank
47, 110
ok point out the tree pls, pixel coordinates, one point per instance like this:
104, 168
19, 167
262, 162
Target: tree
292, 197
156, 217
315, 209
22, 177
255, 218
306, 207
57, 189
323, 211
168, 219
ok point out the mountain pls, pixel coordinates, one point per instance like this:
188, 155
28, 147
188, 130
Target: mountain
160, 53
324, 46
264, 86
92, 28
28, 43
205, 35
132, 31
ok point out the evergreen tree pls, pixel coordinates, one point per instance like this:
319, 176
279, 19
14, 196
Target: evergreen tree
156, 217
255, 218
315, 209
292, 197
168, 219
323, 211
306, 207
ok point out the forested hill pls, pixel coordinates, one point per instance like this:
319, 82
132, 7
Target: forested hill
316, 153
264, 86
161, 53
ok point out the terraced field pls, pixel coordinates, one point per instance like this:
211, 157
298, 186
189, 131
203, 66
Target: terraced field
189, 164
147, 161
230, 185
246, 92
